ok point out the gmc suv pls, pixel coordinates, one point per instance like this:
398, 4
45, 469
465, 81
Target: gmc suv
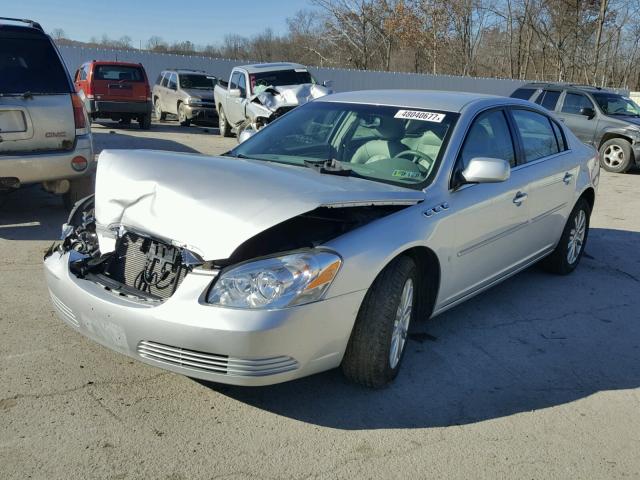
187, 94
44, 130
604, 119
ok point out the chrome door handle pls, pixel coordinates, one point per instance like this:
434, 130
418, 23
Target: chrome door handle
519, 198
567, 178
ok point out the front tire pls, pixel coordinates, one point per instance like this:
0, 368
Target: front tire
182, 116
567, 254
616, 155
223, 125
376, 347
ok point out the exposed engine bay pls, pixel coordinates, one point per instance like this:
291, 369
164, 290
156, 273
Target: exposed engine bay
152, 269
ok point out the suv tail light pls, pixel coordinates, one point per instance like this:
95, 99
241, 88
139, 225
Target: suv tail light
148, 91
79, 115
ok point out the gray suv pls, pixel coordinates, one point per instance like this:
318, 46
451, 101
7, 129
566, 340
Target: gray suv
44, 129
604, 119
187, 94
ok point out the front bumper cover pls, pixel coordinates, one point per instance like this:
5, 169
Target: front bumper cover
187, 336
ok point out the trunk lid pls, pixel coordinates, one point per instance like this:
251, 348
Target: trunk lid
213, 204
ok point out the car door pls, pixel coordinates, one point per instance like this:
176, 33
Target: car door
491, 219
170, 99
236, 104
552, 170
583, 126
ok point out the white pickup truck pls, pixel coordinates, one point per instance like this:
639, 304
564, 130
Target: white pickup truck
258, 94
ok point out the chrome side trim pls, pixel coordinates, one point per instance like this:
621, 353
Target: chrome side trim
548, 212
487, 241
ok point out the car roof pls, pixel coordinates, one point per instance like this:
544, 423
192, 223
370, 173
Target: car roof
271, 67
429, 99
120, 64
567, 86
25, 28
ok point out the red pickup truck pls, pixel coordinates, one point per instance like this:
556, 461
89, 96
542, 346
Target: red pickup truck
115, 90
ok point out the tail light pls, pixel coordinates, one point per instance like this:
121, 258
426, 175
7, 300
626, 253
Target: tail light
148, 91
79, 115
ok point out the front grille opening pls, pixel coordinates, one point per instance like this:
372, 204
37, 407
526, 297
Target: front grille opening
145, 265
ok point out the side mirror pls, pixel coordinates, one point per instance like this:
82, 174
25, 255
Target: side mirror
588, 112
327, 83
246, 134
486, 170
235, 93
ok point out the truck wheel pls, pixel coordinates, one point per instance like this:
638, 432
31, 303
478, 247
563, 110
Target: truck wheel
567, 254
182, 116
223, 125
160, 115
377, 342
144, 121
616, 155
79, 188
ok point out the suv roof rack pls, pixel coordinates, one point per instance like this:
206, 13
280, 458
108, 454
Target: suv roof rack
33, 24
584, 85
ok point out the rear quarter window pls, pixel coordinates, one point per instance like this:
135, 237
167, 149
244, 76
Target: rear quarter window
118, 73
523, 93
31, 65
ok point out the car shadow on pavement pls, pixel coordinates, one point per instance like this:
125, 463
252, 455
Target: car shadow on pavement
30, 213
535, 341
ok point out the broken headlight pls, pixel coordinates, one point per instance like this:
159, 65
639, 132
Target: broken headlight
277, 282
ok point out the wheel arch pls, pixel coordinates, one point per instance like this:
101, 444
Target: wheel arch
429, 273
610, 136
589, 194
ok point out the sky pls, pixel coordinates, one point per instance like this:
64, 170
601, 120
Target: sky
200, 21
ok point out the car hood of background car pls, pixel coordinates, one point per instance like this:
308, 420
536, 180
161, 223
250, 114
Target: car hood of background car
211, 205
199, 93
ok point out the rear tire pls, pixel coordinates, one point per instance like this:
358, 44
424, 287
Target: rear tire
384, 317
160, 115
144, 121
563, 260
616, 155
223, 125
80, 188
182, 116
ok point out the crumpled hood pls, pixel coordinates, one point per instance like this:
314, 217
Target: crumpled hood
211, 205
290, 95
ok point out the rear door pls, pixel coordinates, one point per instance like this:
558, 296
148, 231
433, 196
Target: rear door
119, 83
582, 126
35, 95
552, 170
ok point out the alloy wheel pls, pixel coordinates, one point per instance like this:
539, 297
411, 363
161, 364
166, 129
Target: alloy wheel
576, 237
613, 156
401, 324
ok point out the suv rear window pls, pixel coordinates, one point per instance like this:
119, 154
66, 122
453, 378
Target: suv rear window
118, 72
31, 65
523, 93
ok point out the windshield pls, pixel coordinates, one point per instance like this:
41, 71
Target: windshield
613, 104
381, 143
31, 65
204, 82
280, 78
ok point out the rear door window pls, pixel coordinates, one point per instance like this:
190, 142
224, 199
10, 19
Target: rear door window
536, 132
574, 102
118, 73
31, 65
548, 99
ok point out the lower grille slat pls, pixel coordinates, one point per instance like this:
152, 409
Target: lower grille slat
214, 363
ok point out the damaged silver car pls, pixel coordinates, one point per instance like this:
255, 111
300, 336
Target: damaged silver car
318, 241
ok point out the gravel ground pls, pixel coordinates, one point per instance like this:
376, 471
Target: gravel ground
537, 378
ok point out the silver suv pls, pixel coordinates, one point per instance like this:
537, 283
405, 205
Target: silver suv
187, 94
44, 130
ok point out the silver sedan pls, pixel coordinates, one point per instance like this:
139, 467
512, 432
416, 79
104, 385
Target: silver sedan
317, 241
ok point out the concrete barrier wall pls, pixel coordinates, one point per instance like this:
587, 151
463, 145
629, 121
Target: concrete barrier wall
343, 79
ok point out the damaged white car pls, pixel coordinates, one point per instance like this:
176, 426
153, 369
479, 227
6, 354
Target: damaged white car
316, 243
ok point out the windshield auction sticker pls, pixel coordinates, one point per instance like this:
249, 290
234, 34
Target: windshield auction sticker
419, 115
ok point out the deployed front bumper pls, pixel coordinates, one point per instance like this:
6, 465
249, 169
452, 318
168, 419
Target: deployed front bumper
187, 336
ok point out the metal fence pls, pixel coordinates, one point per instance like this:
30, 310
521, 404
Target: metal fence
343, 79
